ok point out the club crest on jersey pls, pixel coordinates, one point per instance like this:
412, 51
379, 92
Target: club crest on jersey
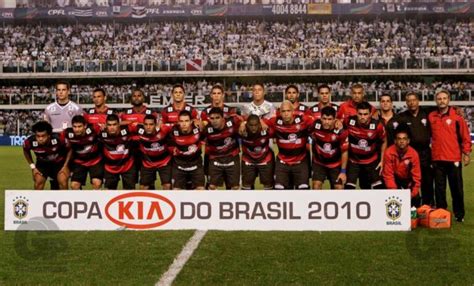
109, 112
327, 147
280, 122
225, 109
170, 109
229, 123
292, 137
264, 132
91, 111
71, 135
176, 133
148, 111
333, 137
210, 130
372, 126
123, 132
423, 121
370, 134
297, 120
407, 162
129, 111
317, 126
104, 134
35, 143
395, 124
448, 121
363, 143
88, 131
187, 108
54, 141
316, 109
195, 131
352, 122
301, 108
141, 131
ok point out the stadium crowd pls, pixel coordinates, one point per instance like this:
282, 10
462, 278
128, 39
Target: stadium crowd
249, 44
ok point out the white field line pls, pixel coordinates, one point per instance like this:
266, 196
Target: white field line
169, 276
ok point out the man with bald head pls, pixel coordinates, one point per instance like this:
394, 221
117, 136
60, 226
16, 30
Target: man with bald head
291, 134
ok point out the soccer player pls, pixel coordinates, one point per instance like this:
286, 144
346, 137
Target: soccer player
87, 154
324, 95
170, 114
259, 106
291, 133
416, 119
366, 140
388, 118
222, 146
330, 151
52, 156
186, 143
118, 149
257, 156
139, 110
60, 113
98, 114
401, 166
153, 146
217, 100
292, 94
451, 148
349, 108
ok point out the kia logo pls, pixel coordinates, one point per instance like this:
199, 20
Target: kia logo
140, 210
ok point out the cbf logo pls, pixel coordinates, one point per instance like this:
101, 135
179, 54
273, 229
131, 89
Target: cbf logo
393, 209
20, 207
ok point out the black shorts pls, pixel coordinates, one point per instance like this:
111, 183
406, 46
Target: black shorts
129, 179
298, 174
225, 169
49, 169
79, 172
192, 171
355, 171
263, 171
321, 173
148, 176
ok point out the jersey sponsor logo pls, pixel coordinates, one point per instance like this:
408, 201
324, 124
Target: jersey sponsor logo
292, 137
327, 147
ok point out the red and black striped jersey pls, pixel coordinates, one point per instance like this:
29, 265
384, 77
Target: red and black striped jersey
97, 118
118, 151
364, 140
86, 149
328, 145
153, 147
315, 111
169, 114
54, 151
256, 149
291, 138
224, 142
228, 112
185, 147
137, 117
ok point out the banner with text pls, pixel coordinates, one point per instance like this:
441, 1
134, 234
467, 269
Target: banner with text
349, 210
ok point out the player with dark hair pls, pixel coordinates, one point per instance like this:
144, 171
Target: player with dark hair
349, 108
98, 114
324, 96
401, 165
52, 156
291, 133
60, 112
139, 110
170, 113
388, 117
222, 146
330, 151
258, 158
87, 153
367, 141
186, 143
155, 156
217, 100
259, 106
118, 150
292, 94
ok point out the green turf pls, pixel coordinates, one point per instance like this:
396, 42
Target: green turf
122, 257
427, 257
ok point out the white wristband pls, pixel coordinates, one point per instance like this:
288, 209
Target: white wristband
32, 166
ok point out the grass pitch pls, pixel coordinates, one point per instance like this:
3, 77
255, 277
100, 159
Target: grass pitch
427, 257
